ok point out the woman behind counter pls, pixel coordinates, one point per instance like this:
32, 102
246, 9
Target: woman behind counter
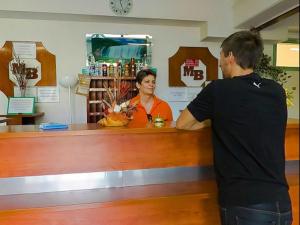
148, 106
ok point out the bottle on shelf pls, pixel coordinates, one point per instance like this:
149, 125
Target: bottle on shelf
132, 66
145, 65
92, 63
126, 70
104, 70
99, 65
92, 69
111, 70
119, 69
91, 59
96, 70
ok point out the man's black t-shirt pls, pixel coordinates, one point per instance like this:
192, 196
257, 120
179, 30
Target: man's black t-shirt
248, 115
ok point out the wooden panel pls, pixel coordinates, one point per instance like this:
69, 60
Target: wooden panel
147, 206
185, 53
85, 148
174, 210
85, 130
294, 193
43, 200
33, 152
292, 143
67, 154
6, 86
96, 129
48, 63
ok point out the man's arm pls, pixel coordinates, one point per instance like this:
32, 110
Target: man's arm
186, 121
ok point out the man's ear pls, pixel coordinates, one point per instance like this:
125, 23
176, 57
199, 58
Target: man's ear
231, 58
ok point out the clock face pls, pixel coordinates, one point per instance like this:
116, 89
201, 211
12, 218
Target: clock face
120, 7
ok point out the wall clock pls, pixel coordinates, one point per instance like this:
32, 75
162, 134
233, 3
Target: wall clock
121, 7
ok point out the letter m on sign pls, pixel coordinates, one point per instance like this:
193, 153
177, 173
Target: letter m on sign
188, 71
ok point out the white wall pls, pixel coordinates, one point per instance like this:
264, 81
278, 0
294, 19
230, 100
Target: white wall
66, 39
188, 10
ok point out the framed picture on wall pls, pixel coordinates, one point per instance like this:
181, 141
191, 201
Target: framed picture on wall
20, 105
114, 47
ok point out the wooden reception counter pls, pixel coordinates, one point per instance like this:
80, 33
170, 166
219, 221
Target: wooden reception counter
29, 153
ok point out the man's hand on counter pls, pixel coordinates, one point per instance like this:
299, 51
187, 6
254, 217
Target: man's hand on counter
186, 121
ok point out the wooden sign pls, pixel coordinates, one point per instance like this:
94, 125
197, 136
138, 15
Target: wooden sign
191, 67
45, 58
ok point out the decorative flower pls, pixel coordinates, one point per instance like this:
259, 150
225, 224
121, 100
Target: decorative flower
117, 113
18, 69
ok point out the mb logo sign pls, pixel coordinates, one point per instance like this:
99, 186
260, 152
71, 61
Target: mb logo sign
193, 72
192, 67
31, 67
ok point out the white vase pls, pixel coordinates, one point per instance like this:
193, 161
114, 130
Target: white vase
22, 91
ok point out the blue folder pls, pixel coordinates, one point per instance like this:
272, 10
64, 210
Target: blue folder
53, 126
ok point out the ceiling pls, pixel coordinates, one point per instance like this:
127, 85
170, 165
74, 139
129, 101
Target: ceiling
289, 25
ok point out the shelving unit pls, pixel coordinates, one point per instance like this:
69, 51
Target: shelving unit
97, 93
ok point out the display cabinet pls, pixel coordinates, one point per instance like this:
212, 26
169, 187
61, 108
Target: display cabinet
113, 60
98, 93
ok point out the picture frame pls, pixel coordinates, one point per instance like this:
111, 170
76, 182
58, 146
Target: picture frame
20, 105
109, 48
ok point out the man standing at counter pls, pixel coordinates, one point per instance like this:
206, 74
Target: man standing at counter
248, 115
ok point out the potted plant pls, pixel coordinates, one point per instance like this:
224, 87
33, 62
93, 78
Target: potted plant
117, 112
267, 70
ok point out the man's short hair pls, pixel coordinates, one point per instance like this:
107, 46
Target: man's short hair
143, 73
246, 47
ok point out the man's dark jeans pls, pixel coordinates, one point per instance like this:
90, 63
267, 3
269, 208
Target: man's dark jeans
259, 214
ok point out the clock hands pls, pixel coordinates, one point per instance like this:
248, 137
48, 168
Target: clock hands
121, 4
120, 7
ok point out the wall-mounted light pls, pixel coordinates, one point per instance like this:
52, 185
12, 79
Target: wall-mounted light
294, 49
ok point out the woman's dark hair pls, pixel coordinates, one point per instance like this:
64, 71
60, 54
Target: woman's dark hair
143, 73
246, 47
